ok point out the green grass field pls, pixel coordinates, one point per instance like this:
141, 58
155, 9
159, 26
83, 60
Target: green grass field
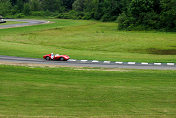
79, 93
88, 40
87, 92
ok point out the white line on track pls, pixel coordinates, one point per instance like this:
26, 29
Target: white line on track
107, 62
157, 64
170, 64
119, 62
84, 60
143, 63
94, 61
72, 60
131, 63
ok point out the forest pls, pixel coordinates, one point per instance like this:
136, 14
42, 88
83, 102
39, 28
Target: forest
129, 14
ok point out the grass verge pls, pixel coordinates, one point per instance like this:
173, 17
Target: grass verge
85, 93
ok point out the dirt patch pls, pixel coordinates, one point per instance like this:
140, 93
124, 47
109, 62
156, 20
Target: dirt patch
29, 65
28, 34
59, 66
162, 52
57, 28
172, 46
103, 69
155, 51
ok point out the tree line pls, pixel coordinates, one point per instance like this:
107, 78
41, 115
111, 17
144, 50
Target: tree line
130, 14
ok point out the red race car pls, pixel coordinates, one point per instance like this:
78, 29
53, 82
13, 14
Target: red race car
56, 57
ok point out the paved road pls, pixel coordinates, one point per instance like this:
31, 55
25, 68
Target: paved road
92, 63
27, 23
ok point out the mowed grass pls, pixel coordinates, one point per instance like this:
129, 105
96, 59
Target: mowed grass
93, 40
69, 92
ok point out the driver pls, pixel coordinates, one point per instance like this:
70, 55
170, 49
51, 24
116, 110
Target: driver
57, 55
52, 56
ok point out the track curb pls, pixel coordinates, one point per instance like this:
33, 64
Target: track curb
123, 63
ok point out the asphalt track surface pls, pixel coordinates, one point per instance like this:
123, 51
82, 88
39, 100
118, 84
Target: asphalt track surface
91, 63
27, 23
79, 63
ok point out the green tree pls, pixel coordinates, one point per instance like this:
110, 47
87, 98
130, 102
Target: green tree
98, 9
141, 15
110, 9
5, 6
53, 5
78, 5
27, 9
35, 5
168, 14
20, 5
149, 14
68, 4
13, 2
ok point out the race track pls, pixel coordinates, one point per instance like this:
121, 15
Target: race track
79, 63
91, 63
27, 23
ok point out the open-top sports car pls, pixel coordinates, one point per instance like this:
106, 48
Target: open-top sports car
56, 57
2, 20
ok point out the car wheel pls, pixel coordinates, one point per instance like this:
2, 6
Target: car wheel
47, 58
61, 59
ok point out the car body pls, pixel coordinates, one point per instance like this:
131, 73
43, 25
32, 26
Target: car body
56, 57
2, 20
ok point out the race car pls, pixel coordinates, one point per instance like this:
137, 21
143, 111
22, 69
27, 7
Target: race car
2, 20
56, 57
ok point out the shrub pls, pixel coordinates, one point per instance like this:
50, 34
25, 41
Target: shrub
63, 16
123, 21
107, 17
27, 9
19, 15
38, 13
87, 16
71, 15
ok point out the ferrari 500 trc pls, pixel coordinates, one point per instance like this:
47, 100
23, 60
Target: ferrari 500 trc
56, 57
